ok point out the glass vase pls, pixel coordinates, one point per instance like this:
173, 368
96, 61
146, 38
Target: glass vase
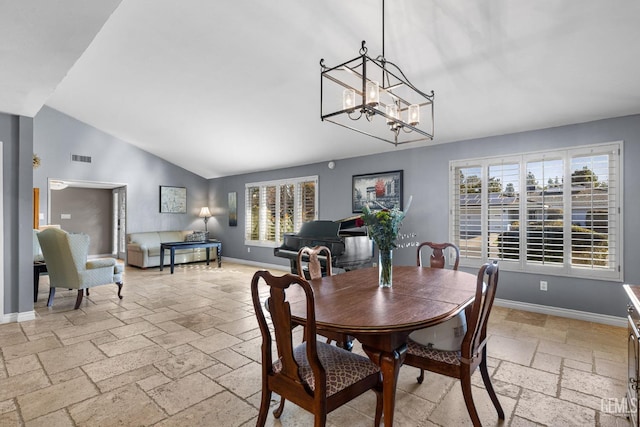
385, 263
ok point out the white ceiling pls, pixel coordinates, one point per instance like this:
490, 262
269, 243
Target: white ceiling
232, 86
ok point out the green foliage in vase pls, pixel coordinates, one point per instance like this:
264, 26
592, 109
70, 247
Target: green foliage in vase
383, 226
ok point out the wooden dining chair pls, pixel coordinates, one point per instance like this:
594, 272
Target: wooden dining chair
449, 334
437, 258
314, 268
314, 375
472, 353
314, 265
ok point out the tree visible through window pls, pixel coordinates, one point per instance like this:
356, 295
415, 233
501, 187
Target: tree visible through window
553, 212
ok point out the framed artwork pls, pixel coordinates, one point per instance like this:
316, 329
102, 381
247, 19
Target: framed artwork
381, 190
233, 209
173, 199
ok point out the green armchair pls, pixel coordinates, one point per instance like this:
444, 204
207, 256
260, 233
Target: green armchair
66, 258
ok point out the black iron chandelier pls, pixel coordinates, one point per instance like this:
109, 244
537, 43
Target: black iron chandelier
368, 87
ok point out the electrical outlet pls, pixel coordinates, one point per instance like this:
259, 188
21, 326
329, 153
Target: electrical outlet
248, 249
543, 285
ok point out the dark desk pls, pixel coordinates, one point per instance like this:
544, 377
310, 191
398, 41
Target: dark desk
38, 268
172, 246
382, 318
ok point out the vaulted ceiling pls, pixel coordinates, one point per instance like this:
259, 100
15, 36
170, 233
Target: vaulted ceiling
232, 86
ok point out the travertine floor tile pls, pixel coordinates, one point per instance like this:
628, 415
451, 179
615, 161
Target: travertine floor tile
223, 409
123, 406
547, 410
23, 364
533, 379
58, 418
19, 350
452, 411
569, 351
216, 342
20, 384
125, 345
126, 362
243, 382
55, 397
511, 349
184, 392
593, 384
184, 364
526, 317
62, 359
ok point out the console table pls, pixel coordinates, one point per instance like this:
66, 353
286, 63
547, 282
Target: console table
172, 246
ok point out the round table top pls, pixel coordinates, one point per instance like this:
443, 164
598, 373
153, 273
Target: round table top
353, 302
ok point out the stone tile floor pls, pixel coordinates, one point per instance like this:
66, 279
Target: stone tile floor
183, 350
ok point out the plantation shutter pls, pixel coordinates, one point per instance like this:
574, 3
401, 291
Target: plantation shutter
594, 215
503, 209
270, 210
545, 226
466, 203
252, 213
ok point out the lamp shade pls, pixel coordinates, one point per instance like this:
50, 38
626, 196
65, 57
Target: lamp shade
204, 213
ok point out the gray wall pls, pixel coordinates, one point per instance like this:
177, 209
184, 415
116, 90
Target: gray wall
426, 178
58, 136
90, 211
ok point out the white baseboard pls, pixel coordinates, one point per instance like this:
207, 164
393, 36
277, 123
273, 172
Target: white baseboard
563, 312
18, 317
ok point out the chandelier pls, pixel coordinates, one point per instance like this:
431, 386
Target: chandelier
353, 93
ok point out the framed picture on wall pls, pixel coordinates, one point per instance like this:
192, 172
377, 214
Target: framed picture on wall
233, 209
173, 199
382, 190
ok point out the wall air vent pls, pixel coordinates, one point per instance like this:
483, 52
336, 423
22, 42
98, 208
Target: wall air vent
79, 158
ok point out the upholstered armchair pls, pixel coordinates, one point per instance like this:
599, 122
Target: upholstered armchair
66, 258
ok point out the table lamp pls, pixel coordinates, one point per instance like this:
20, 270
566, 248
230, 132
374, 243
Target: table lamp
205, 214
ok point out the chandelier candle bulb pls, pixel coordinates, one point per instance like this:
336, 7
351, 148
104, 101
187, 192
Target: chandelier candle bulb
414, 114
392, 111
348, 99
373, 93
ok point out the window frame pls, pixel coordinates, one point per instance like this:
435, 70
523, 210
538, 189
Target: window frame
614, 202
262, 187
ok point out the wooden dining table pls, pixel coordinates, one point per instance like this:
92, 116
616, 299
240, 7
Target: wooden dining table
382, 318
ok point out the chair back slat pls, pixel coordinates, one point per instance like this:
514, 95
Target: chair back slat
437, 258
314, 265
485, 294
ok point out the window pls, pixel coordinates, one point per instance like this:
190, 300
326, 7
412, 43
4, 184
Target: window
555, 212
274, 208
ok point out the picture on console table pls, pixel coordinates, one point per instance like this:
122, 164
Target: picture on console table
173, 199
381, 190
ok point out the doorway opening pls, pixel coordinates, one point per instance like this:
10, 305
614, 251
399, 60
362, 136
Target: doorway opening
98, 209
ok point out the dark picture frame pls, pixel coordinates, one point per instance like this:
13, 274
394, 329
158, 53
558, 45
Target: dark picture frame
233, 209
382, 190
173, 199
